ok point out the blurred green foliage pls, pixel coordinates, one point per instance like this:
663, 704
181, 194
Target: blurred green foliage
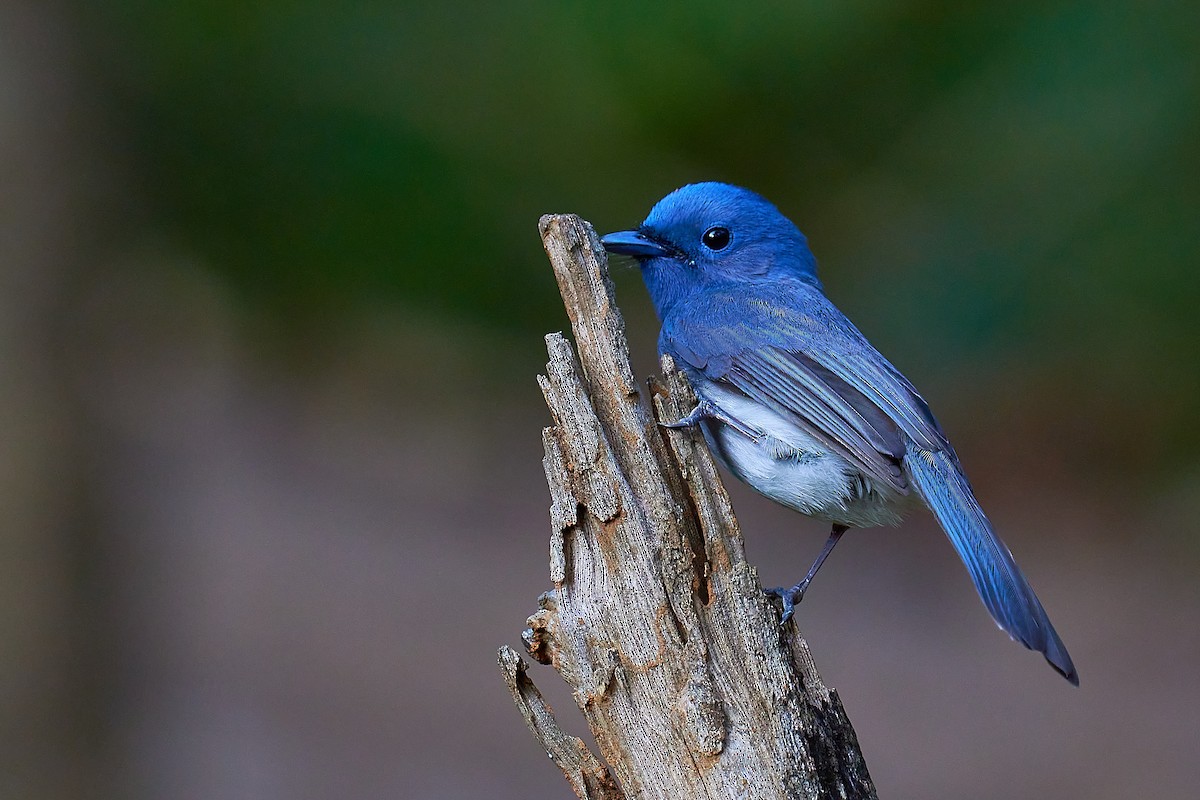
1012, 181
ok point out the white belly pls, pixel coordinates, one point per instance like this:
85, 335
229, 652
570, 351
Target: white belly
788, 465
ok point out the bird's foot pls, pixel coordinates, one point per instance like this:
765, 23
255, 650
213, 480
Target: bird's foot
702, 410
706, 410
789, 596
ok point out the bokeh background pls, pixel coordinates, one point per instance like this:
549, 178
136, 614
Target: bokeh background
271, 311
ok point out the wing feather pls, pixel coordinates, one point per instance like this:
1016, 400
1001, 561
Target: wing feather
815, 366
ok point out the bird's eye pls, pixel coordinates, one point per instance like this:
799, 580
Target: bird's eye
716, 238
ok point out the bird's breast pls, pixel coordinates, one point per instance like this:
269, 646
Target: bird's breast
778, 458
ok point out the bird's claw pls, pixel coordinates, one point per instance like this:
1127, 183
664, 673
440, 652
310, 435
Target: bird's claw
790, 597
706, 410
698, 413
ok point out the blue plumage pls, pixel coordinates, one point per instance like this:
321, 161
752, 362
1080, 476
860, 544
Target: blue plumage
797, 403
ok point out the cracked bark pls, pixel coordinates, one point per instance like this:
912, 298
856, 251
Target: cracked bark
677, 659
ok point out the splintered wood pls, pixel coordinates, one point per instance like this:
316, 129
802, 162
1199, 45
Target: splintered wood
676, 658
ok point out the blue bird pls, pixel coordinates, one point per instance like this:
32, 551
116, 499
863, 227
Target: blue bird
796, 402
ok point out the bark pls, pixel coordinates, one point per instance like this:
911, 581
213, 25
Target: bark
690, 685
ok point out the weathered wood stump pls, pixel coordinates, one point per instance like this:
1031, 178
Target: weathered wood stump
677, 659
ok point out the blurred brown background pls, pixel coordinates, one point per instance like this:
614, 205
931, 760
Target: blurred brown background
271, 310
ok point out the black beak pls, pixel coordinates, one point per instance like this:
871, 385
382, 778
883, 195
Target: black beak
633, 243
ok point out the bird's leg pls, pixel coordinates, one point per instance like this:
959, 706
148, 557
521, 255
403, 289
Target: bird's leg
706, 410
791, 597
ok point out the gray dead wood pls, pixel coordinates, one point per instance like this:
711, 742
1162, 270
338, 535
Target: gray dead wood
677, 660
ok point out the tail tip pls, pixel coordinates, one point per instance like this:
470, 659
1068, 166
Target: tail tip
1063, 666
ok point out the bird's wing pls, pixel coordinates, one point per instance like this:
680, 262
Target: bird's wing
806, 359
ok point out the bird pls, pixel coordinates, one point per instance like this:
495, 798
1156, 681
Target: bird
794, 401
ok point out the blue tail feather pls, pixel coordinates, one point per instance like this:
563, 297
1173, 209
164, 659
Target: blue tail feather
1000, 583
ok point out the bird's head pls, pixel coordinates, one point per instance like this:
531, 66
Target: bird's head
709, 233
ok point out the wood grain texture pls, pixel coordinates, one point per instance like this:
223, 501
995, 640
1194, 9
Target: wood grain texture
676, 658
